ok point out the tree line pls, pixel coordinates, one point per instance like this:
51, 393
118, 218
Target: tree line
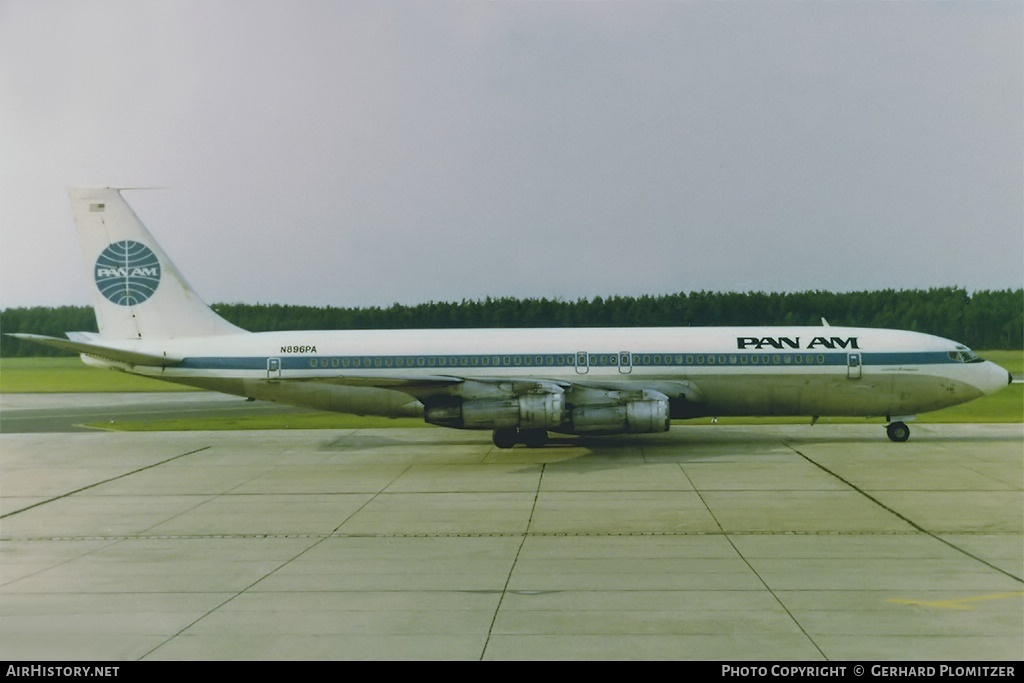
990, 319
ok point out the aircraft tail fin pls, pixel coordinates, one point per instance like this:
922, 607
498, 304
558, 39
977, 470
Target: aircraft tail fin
139, 293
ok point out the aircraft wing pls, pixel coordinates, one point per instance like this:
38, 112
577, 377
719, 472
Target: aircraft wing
427, 388
433, 389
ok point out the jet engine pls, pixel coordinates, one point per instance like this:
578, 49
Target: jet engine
649, 412
544, 410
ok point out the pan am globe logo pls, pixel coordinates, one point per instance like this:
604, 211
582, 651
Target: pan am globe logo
127, 272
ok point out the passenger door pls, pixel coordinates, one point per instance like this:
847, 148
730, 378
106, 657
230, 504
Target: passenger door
853, 366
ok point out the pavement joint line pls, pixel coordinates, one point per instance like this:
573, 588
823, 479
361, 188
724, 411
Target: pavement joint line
316, 539
495, 534
931, 534
103, 481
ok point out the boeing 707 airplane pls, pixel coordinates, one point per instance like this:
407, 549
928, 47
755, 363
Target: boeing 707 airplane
520, 384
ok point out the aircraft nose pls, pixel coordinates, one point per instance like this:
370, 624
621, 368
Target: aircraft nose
995, 378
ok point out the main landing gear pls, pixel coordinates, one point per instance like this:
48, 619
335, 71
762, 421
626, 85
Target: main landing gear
897, 431
507, 437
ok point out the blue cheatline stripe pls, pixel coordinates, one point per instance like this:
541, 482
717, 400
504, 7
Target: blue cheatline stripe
564, 360
224, 363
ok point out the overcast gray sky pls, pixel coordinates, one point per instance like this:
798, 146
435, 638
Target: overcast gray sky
366, 153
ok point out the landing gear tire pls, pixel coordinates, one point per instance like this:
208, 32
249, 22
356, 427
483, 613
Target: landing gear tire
505, 437
534, 438
898, 432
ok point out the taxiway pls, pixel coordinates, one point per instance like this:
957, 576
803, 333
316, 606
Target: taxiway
707, 542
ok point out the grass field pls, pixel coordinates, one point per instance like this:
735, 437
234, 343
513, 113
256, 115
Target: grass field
60, 375
70, 375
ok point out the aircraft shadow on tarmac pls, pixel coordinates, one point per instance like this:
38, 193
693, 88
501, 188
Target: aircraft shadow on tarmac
750, 438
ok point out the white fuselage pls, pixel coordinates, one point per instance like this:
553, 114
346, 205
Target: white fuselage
723, 371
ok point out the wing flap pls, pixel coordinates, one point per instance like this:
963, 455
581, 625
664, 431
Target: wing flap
389, 381
428, 387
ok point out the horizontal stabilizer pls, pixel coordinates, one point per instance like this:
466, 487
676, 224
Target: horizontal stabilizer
98, 350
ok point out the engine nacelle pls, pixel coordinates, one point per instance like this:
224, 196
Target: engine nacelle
544, 410
649, 413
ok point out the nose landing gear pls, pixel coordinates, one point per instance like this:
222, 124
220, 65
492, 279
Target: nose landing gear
897, 431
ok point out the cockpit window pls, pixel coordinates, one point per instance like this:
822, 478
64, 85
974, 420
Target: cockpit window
964, 355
